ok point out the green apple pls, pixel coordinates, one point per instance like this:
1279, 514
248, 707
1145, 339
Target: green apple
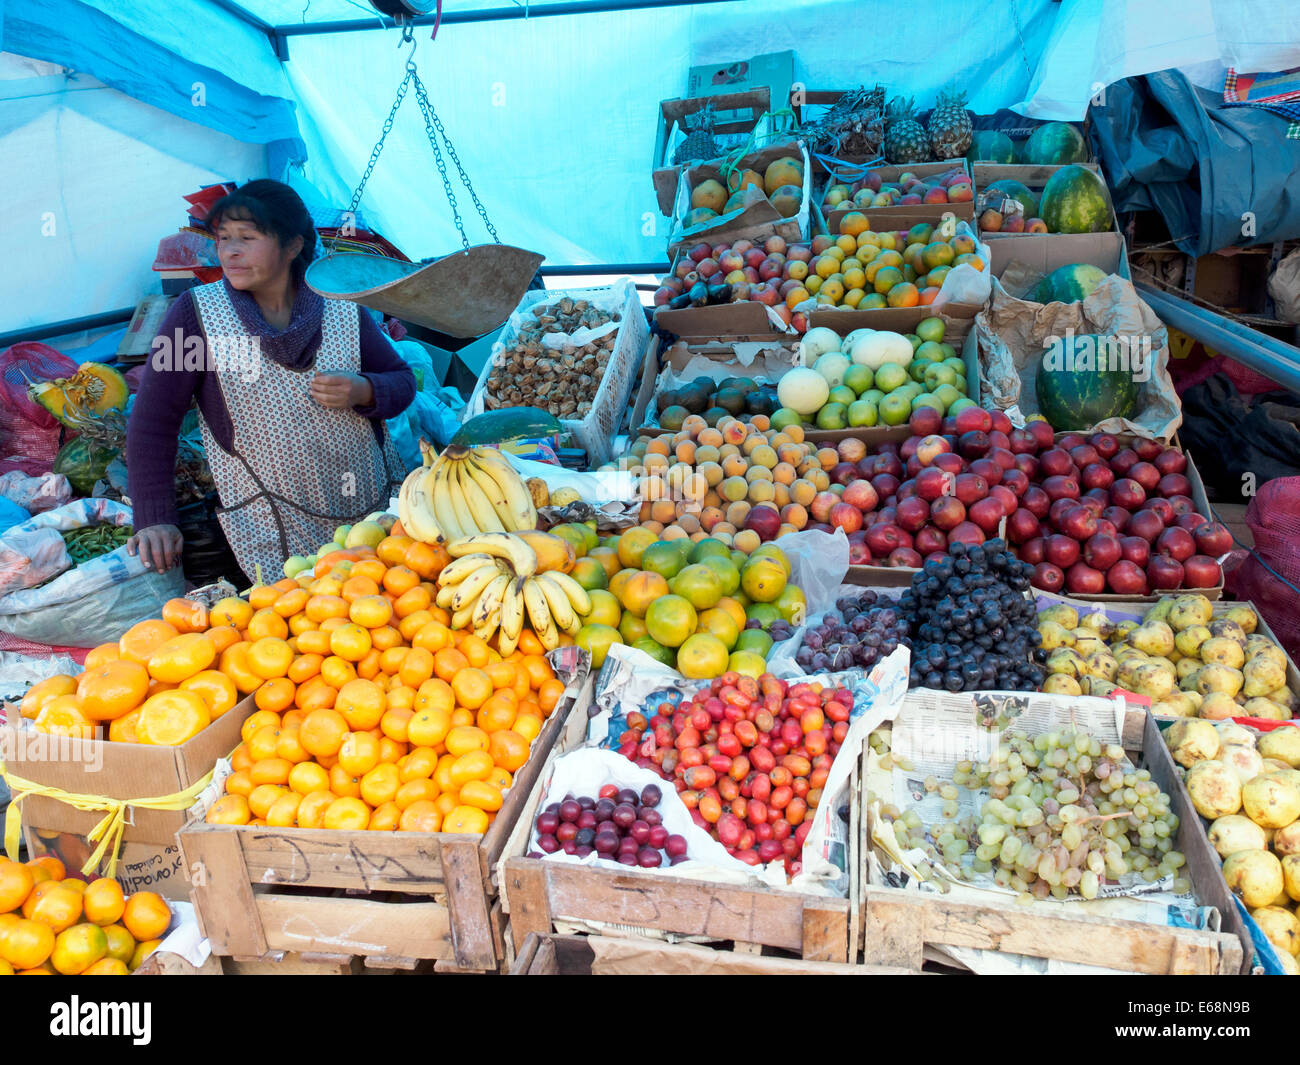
939, 374
872, 395
341, 535
832, 416
930, 352
930, 329
916, 369
890, 376
784, 417
928, 399
295, 564
843, 394
915, 340
961, 405
863, 412
947, 395
895, 408
948, 350
957, 364
859, 378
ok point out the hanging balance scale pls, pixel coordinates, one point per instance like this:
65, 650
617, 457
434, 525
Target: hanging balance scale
465, 294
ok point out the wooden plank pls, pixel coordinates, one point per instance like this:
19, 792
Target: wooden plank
825, 931
467, 903
290, 964
523, 963
353, 926
409, 862
221, 891
649, 900
900, 922
524, 886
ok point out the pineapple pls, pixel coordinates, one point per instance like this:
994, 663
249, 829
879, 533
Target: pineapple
950, 126
699, 143
905, 139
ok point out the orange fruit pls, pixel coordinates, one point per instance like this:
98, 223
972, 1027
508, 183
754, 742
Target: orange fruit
263, 743
380, 784
112, 689
446, 802
412, 601
476, 651
385, 638
57, 907
181, 657
261, 597
411, 625
419, 790
370, 611
435, 694
448, 662
263, 797
463, 739
359, 754
400, 697
343, 783
240, 783
256, 721
141, 952
222, 636
394, 723
304, 667
538, 669
270, 657
266, 622
472, 688
270, 771
97, 656
362, 704
311, 811
418, 765
323, 732
315, 694
231, 611
391, 750
420, 816
146, 916
16, 883
42, 691
291, 602
143, 638
275, 695
417, 667
350, 642
284, 811
529, 726
77, 948
435, 636
400, 579
385, 818
469, 820
368, 667
336, 671
475, 765
103, 900
428, 560
481, 794
460, 716
63, 716
170, 718
306, 777
501, 778
508, 749
359, 585
548, 695
27, 944
392, 549
121, 944
391, 659
498, 712
529, 644
314, 642
229, 810
289, 746
320, 607
185, 615
107, 967
214, 688
234, 664
122, 730
346, 814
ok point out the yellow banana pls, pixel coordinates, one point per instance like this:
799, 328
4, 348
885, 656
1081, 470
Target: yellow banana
418, 517
456, 498
539, 613
442, 494
455, 572
445, 596
512, 614
488, 608
500, 545
561, 608
485, 518
520, 512
468, 590
461, 618
576, 593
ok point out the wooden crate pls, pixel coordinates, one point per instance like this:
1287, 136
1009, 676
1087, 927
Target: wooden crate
554, 955
536, 894
392, 899
894, 926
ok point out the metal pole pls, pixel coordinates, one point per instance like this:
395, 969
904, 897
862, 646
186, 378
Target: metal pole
490, 14
71, 325
612, 268
1250, 347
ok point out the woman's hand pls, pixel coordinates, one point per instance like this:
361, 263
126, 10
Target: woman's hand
342, 390
158, 546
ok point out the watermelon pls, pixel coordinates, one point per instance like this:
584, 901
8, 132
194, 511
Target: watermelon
83, 463
990, 146
1016, 191
503, 426
1068, 284
1075, 200
1073, 393
1055, 144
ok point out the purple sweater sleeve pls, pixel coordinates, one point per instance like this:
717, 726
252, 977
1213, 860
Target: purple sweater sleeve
164, 396
392, 379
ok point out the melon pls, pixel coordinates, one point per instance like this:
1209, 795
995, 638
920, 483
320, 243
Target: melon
787, 200
1018, 192
1068, 284
880, 347
803, 390
1075, 200
990, 146
784, 171
83, 463
833, 366
1055, 144
1078, 385
817, 342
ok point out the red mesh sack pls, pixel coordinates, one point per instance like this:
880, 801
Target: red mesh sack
29, 434
1274, 520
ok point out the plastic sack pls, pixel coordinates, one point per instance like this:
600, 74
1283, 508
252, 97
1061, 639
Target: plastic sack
35, 494
29, 434
1015, 334
1274, 520
83, 606
1284, 287
11, 514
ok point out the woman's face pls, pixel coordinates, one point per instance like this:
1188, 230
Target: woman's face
252, 259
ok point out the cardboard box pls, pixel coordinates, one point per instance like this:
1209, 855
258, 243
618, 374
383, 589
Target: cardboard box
917, 212
149, 855
137, 344
748, 318
759, 220
750, 105
773, 71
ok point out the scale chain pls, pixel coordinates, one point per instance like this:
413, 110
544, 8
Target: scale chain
432, 120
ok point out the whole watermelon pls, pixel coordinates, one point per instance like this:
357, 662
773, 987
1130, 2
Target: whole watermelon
1075, 200
1055, 144
1068, 284
990, 146
1073, 393
83, 463
1016, 191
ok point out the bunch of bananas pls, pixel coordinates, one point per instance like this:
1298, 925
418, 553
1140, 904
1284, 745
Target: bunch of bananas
462, 492
499, 580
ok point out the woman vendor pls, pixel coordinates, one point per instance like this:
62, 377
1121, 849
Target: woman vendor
292, 390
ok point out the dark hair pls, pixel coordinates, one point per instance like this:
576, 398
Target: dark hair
273, 208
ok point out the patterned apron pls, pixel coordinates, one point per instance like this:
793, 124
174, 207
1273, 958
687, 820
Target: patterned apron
297, 470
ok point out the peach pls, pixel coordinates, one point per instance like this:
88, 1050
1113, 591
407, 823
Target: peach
774, 245
709, 517
794, 514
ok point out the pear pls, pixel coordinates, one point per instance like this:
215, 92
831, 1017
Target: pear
1097, 686
1287, 840
1065, 616
1098, 623
341, 535
1243, 616
1101, 664
1175, 705
1053, 634
1255, 875
295, 564
1088, 643
1216, 678
1284, 697
1280, 927
1189, 640
1231, 732
1122, 631
1192, 741
1153, 637
1234, 833
1188, 610
1261, 676
1146, 678
1216, 706
1244, 760
1283, 744
1187, 666
1266, 710
1214, 789
1291, 876
1270, 801
1262, 645
1227, 629
365, 534
1067, 661
1062, 684
1223, 651
1159, 612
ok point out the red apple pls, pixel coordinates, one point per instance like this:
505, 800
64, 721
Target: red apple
1201, 571
1213, 539
1061, 550
1108, 527
1055, 463
973, 444
987, 514
999, 440
966, 533
708, 267
1096, 475
1079, 524
1000, 422
1165, 572
1107, 446
1147, 449
970, 487
913, 512
860, 494
820, 507
1146, 475
844, 516
973, 419
947, 512
1003, 457
1191, 521
1126, 578
1028, 465
905, 557
909, 447
1031, 550
1174, 484
1170, 460
1022, 442
1070, 440
1182, 505
1093, 504
1060, 487
1125, 459
859, 553
1048, 577
1022, 527
1082, 579
889, 462
888, 515
843, 472
1008, 500
1162, 507
950, 463
885, 484
1146, 524
883, 538
988, 469
1084, 455
1042, 433
700, 252
1176, 543
930, 539
765, 520
1127, 493
925, 421
1059, 509
1016, 480
1036, 501
1101, 551
928, 448
931, 483
1135, 549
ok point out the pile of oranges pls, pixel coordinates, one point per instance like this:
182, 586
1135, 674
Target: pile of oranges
51, 923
